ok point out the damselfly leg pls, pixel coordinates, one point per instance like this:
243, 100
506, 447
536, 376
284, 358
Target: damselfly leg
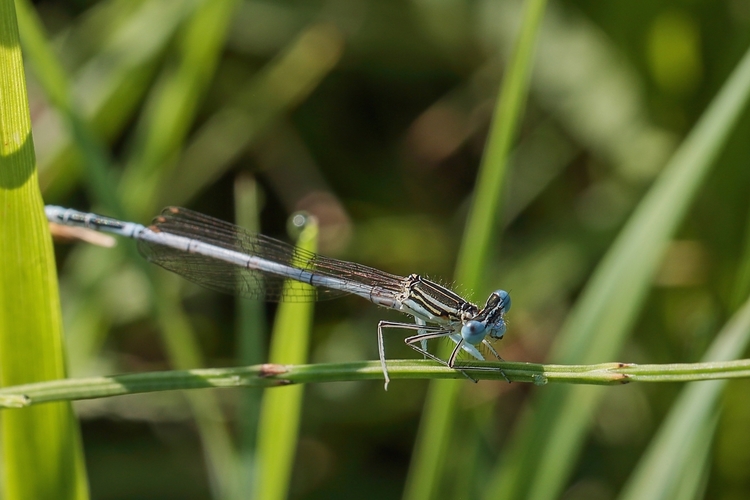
419, 344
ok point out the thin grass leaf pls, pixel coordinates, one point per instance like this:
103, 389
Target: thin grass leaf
661, 471
742, 281
281, 409
184, 352
693, 468
283, 83
697, 469
54, 81
251, 343
109, 87
42, 453
277, 375
433, 439
170, 110
682, 446
539, 458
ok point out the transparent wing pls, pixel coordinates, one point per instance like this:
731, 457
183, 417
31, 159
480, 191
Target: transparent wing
225, 277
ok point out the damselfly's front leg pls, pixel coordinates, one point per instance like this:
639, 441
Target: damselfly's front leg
423, 338
429, 333
494, 352
460, 344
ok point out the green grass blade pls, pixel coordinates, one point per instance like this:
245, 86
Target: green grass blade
682, 446
698, 465
112, 83
282, 84
251, 344
538, 461
479, 234
661, 471
281, 409
54, 81
742, 281
42, 453
184, 352
170, 110
435, 431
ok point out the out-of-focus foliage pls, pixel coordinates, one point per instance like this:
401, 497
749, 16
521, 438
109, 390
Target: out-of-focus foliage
372, 115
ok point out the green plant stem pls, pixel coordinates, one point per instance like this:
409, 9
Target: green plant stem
281, 411
251, 342
436, 428
275, 375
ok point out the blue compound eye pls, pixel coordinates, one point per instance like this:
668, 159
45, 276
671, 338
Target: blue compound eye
473, 332
504, 299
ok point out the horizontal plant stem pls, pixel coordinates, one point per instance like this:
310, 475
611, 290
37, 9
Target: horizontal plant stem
270, 375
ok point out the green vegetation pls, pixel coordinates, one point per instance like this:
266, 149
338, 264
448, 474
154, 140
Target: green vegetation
42, 453
606, 143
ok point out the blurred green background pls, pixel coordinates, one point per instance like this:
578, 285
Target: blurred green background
372, 115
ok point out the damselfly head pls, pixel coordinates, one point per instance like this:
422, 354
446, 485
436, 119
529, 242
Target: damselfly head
489, 321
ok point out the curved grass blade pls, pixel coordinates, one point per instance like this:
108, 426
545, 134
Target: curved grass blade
682, 445
661, 471
538, 461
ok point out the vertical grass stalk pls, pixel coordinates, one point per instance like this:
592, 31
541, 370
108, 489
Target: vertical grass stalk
42, 453
433, 440
251, 344
281, 408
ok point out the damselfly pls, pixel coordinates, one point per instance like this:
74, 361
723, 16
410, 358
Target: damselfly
225, 257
